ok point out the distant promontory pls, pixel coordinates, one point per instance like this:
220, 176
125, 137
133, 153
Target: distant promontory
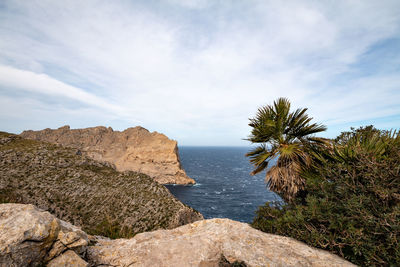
134, 149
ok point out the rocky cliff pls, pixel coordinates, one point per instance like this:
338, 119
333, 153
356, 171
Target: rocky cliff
30, 237
86, 192
135, 149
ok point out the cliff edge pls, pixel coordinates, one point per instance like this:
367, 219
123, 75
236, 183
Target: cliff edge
134, 149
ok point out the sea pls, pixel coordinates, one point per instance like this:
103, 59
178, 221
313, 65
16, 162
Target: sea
224, 187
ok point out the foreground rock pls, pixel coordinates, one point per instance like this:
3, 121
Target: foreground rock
29, 236
202, 243
87, 193
135, 149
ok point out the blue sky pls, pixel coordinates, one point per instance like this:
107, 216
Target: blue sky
197, 70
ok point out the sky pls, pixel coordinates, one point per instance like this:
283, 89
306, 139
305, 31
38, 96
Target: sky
197, 70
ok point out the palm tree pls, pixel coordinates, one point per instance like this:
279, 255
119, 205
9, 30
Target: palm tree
288, 138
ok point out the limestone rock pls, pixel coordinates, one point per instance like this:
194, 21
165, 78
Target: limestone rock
30, 236
69, 237
135, 149
204, 242
68, 259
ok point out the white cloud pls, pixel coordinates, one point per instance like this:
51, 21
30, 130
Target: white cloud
41, 83
187, 68
191, 4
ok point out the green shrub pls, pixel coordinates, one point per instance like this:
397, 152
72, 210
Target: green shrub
351, 203
111, 228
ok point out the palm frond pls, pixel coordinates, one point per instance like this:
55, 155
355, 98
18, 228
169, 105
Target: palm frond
260, 158
260, 168
294, 120
307, 130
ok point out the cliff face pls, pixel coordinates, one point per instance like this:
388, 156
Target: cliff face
86, 192
29, 237
135, 149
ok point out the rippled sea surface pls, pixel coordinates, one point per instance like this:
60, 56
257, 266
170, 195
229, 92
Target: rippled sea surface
225, 188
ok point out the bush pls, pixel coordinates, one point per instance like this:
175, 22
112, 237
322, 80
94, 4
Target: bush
351, 203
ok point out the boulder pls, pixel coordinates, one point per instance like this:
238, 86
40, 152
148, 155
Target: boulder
134, 149
68, 259
30, 236
204, 243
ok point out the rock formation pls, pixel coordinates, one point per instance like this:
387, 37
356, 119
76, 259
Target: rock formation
135, 149
29, 236
202, 243
85, 192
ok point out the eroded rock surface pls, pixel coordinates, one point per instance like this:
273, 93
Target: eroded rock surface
68, 259
135, 149
202, 243
30, 237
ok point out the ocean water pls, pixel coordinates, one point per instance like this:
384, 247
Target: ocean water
225, 188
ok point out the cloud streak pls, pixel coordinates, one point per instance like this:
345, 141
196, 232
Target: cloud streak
44, 85
197, 70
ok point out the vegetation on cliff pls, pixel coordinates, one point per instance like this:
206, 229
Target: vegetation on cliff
350, 202
86, 192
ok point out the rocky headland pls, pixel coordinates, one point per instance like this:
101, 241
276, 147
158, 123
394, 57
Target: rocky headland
32, 237
134, 149
80, 203
86, 192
